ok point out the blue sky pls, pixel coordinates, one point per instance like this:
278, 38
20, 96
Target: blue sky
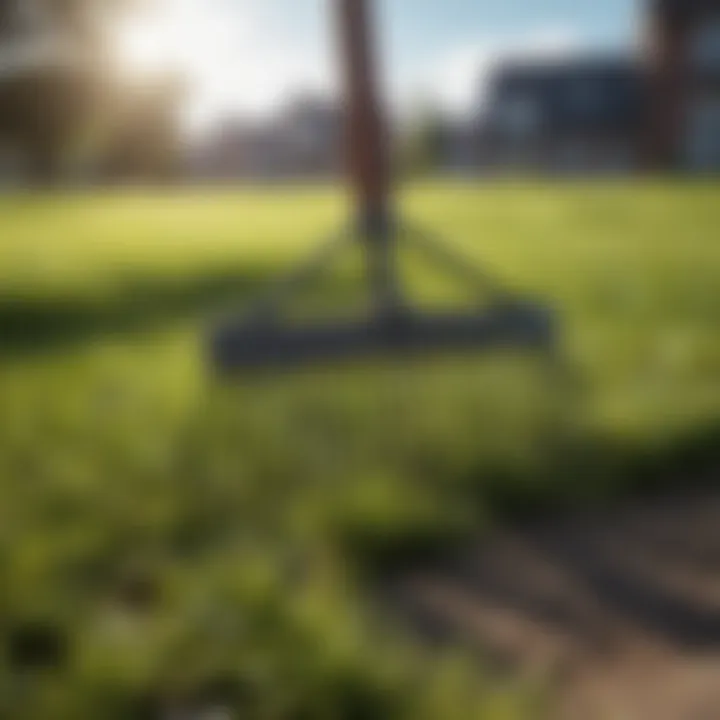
416, 31
419, 27
250, 54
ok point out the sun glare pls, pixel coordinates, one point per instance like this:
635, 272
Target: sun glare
201, 39
167, 36
230, 60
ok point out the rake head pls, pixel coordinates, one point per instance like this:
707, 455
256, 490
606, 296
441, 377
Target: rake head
258, 346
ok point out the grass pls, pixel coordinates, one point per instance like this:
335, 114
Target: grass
169, 540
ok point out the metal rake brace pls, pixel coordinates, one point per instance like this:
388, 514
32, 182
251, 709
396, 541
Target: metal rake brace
392, 328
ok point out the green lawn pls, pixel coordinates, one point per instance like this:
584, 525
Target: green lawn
167, 539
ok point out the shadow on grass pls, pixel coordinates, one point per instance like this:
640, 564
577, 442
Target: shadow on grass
599, 469
595, 474
34, 325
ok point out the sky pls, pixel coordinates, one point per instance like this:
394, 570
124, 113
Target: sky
247, 56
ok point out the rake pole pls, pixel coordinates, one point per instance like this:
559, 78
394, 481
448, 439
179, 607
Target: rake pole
368, 157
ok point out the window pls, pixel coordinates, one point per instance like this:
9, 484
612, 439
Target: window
519, 115
702, 142
573, 155
584, 97
705, 53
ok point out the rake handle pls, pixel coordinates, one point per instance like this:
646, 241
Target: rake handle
367, 145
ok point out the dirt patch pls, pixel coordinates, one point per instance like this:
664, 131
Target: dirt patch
618, 611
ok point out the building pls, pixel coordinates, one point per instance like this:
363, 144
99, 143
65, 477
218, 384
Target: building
658, 108
305, 140
564, 116
237, 149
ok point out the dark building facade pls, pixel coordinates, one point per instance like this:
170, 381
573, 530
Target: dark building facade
659, 108
564, 116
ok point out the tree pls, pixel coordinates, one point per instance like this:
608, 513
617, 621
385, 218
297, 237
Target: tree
142, 142
65, 94
50, 78
40, 113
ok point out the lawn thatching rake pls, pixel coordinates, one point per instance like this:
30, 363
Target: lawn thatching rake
392, 328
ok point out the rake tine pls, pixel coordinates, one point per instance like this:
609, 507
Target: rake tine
267, 307
453, 263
